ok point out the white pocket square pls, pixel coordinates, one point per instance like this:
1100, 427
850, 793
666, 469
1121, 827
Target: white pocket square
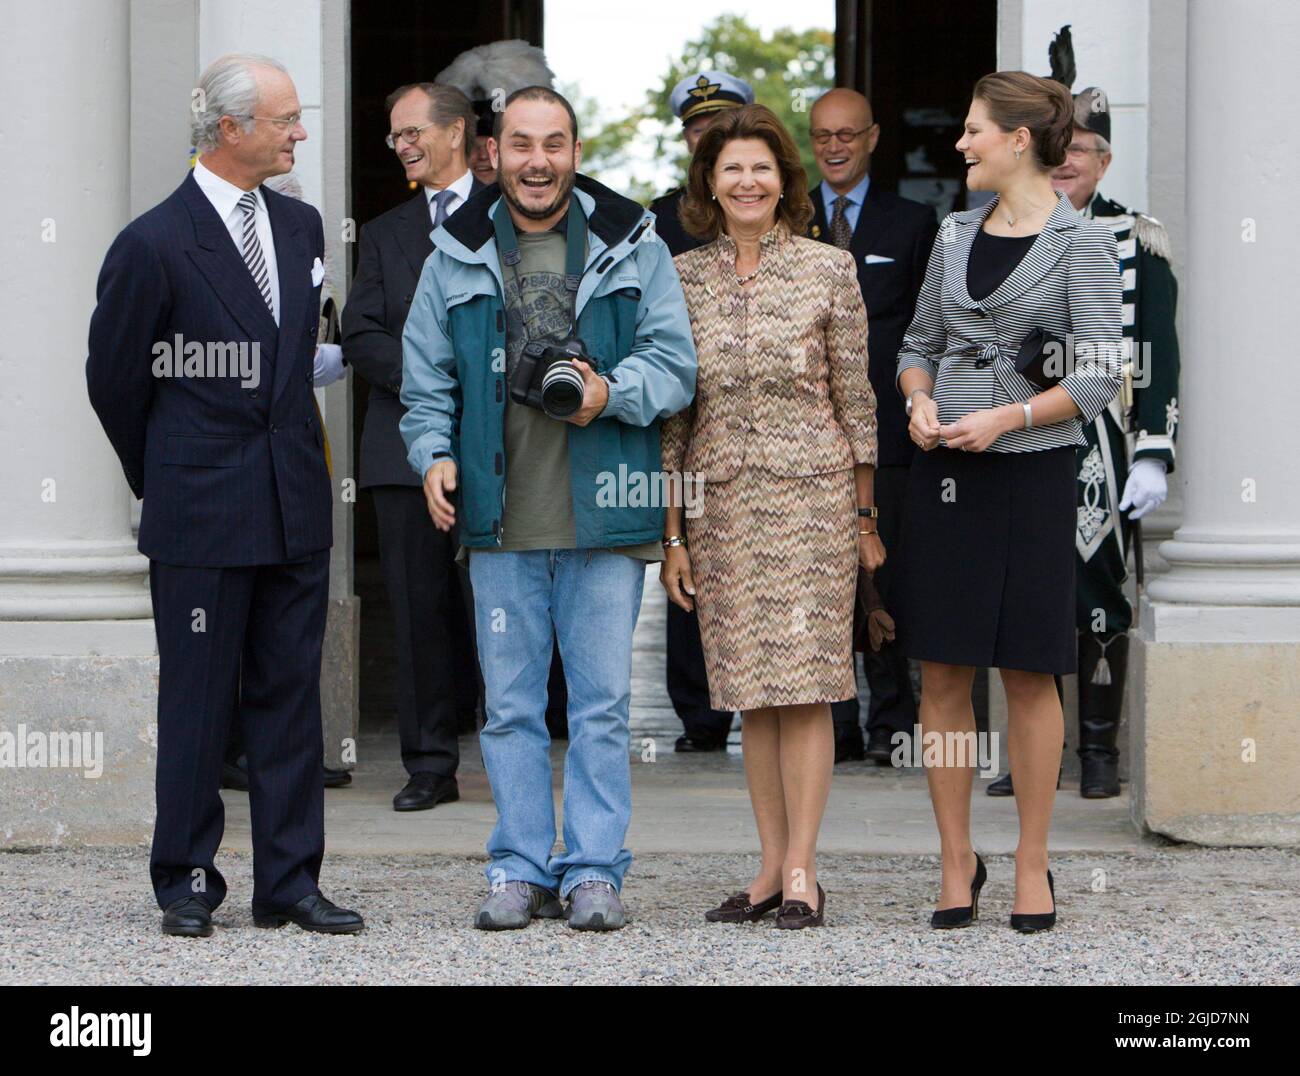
876, 259
317, 273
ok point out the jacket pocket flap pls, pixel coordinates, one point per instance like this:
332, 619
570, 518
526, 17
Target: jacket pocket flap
191, 451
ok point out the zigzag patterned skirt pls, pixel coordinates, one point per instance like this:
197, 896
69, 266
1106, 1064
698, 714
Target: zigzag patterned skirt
775, 565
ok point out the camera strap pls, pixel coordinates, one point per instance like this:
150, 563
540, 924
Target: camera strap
575, 252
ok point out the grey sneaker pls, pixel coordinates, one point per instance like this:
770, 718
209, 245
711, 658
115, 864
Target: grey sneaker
595, 905
515, 905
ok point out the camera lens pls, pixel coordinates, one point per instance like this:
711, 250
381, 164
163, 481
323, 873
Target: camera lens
562, 390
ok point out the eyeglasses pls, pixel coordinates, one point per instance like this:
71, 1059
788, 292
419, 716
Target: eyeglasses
285, 123
845, 134
1078, 151
406, 134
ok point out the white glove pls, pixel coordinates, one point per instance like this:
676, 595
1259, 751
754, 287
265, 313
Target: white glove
1146, 488
327, 366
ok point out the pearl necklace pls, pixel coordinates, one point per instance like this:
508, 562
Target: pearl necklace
747, 277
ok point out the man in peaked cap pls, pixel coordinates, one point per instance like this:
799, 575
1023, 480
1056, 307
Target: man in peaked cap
696, 100
1130, 449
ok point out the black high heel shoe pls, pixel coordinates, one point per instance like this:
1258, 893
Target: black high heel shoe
1032, 922
951, 918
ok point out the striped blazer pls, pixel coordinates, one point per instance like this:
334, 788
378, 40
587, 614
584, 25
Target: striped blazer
1068, 284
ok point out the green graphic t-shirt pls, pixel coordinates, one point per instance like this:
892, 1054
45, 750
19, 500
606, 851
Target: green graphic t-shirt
538, 511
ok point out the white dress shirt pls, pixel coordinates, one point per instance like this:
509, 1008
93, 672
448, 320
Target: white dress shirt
224, 197
460, 194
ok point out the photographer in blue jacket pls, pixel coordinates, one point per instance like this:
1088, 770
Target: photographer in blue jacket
546, 341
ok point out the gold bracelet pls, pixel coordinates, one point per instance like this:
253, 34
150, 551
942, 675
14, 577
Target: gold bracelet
868, 532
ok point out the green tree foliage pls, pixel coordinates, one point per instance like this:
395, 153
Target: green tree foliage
788, 72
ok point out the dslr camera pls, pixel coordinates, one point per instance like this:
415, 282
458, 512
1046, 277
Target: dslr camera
546, 379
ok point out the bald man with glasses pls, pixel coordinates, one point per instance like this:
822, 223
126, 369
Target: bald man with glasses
890, 240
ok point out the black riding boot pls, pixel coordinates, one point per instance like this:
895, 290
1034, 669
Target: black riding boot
1103, 664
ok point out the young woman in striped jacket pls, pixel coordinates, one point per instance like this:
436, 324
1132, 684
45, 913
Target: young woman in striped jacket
987, 563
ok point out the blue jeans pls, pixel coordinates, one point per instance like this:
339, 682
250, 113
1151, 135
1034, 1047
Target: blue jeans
588, 600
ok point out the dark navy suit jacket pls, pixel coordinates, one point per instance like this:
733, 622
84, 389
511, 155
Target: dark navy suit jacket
891, 247
231, 474
392, 253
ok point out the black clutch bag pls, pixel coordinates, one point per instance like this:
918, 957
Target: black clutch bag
1041, 358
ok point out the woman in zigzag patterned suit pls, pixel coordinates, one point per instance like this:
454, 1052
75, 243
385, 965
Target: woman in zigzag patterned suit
782, 433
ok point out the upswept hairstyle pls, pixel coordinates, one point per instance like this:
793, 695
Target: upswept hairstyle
701, 216
1045, 108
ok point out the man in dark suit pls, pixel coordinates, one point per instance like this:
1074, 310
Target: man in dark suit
200, 369
432, 132
890, 240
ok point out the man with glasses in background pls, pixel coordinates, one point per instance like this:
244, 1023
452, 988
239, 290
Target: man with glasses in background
890, 240
431, 131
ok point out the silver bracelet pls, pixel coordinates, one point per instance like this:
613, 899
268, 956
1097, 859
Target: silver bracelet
1029, 416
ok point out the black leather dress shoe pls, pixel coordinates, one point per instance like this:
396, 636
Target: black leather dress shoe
337, 778
849, 748
234, 775
314, 913
188, 917
694, 744
425, 790
880, 746
1003, 787
1098, 776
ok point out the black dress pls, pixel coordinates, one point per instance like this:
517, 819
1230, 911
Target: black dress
987, 556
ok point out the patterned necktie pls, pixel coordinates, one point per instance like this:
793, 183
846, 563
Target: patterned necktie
440, 202
841, 233
253, 256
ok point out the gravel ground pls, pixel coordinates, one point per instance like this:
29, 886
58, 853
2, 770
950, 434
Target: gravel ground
1175, 915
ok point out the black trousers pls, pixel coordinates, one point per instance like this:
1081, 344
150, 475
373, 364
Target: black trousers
253, 633
893, 702
688, 679
436, 668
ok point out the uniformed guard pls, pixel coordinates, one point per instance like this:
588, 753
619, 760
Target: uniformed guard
695, 100
1130, 445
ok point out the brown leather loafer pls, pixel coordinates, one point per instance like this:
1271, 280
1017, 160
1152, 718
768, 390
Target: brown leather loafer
740, 909
795, 914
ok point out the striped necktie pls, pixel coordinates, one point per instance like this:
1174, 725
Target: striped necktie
253, 256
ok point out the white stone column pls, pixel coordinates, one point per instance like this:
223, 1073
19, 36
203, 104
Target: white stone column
76, 638
1217, 666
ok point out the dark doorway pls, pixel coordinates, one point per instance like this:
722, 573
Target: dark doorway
923, 57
